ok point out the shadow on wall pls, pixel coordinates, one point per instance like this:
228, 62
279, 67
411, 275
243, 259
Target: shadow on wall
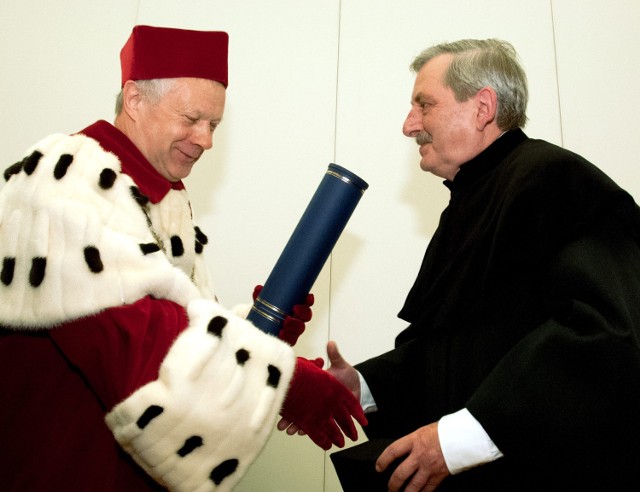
425, 193
348, 248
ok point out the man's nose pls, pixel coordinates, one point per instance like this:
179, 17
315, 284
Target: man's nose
412, 124
202, 135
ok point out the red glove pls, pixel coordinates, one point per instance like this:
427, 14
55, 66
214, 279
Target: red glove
292, 326
321, 406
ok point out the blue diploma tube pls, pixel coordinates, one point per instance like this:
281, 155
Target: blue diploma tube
308, 248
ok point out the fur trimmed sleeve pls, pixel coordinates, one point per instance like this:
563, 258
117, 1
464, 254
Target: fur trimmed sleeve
205, 419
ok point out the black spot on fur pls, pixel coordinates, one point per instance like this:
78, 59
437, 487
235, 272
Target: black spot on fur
62, 165
107, 178
201, 236
31, 162
216, 325
189, 445
177, 248
13, 169
93, 260
273, 379
148, 248
199, 247
148, 415
201, 240
38, 267
8, 267
242, 356
223, 470
138, 196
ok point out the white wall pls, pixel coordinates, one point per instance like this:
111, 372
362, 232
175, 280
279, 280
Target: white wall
319, 82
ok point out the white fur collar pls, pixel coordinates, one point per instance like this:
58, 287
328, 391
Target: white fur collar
76, 237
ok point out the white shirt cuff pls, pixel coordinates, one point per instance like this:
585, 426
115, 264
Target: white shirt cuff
464, 442
366, 398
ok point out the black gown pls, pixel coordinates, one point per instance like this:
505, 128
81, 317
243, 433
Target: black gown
526, 311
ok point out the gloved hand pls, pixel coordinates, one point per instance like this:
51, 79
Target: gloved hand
321, 406
292, 326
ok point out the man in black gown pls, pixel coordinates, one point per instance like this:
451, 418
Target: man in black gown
520, 367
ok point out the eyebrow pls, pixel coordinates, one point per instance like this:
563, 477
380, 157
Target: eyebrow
420, 97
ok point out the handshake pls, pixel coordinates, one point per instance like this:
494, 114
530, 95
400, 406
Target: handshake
320, 406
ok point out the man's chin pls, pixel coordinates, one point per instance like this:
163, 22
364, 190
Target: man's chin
181, 172
425, 165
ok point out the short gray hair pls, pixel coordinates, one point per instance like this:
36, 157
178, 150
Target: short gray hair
479, 63
153, 90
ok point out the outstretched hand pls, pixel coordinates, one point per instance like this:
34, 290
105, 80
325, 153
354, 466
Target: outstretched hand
342, 371
321, 406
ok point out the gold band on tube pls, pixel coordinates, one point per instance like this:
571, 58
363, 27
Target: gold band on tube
345, 179
271, 307
265, 315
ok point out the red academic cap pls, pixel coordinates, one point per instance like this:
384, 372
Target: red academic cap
164, 53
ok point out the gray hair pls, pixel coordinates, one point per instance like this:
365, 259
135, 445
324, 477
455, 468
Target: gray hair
479, 63
153, 90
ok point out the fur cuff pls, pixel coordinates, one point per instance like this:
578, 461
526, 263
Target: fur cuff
205, 419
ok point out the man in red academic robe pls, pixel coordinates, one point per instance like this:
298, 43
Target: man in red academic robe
110, 336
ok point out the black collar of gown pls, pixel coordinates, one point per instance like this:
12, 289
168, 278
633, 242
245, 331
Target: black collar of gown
486, 160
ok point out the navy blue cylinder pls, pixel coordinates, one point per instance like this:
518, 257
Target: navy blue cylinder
308, 248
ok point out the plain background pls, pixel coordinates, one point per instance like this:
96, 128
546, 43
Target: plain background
315, 82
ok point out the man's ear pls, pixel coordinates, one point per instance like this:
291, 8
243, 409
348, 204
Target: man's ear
131, 98
487, 101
